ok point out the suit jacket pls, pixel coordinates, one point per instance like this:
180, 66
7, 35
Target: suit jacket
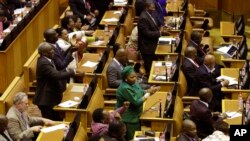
78, 7
17, 128
189, 70
61, 58
204, 79
50, 83
184, 137
148, 32
200, 52
202, 117
114, 75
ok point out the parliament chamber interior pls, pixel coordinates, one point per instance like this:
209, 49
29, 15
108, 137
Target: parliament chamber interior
186, 37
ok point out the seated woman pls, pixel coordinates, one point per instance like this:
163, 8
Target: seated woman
68, 23
3, 19
130, 90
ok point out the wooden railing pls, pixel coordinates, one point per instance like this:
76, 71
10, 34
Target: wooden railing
17, 53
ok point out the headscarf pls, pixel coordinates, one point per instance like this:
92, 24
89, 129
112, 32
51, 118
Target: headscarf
127, 71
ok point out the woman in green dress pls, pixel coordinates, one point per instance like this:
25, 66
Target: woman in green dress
130, 90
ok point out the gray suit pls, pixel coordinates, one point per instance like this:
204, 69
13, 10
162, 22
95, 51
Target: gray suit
114, 75
17, 126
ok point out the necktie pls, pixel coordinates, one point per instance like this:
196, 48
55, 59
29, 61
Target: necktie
152, 18
24, 121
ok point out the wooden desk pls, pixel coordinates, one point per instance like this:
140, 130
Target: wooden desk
165, 49
150, 113
232, 63
86, 114
231, 105
100, 47
159, 70
141, 133
18, 52
110, 14
232, 72
227, 31
93, 57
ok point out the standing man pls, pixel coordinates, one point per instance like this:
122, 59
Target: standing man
50, 82
21, 126
149, 31
190, 65
85, 9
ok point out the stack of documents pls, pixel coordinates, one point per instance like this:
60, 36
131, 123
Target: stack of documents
68, 104
232, 81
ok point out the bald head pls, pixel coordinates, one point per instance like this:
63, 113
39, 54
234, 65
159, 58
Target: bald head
196, 37
189, 127
50, 35
122, 56
191, 52
3, 123
209, 61
205, 95
46, 49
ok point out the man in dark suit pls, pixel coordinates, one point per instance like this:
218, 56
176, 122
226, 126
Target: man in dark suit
60, 58
200, 113
115, 67
149, 31
203, 78
85, 9
189, 132
50, 82
190, 65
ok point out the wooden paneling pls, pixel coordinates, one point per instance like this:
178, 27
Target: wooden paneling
18, 52
205, 4
236, 7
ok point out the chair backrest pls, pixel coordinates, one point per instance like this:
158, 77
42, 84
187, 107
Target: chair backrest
128, 23
191, 11
29, 70
178, 117
6, 99
239, 21
183, 87
121, 37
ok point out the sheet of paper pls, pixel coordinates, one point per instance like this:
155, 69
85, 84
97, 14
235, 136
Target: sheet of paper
223, 49
77, 89
232, 81
90, 64
111, 20
147, 138
68, 104
120, 3
159, 77
158, 64
97, 42
53, 128
18, 11
233, 115
166, 39
118, 12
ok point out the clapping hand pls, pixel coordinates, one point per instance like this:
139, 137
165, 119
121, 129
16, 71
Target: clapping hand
153, 89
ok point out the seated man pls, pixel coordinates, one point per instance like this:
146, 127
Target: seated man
21, 126
188, 132
115, 68
221, 133
4, 134
200, 113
